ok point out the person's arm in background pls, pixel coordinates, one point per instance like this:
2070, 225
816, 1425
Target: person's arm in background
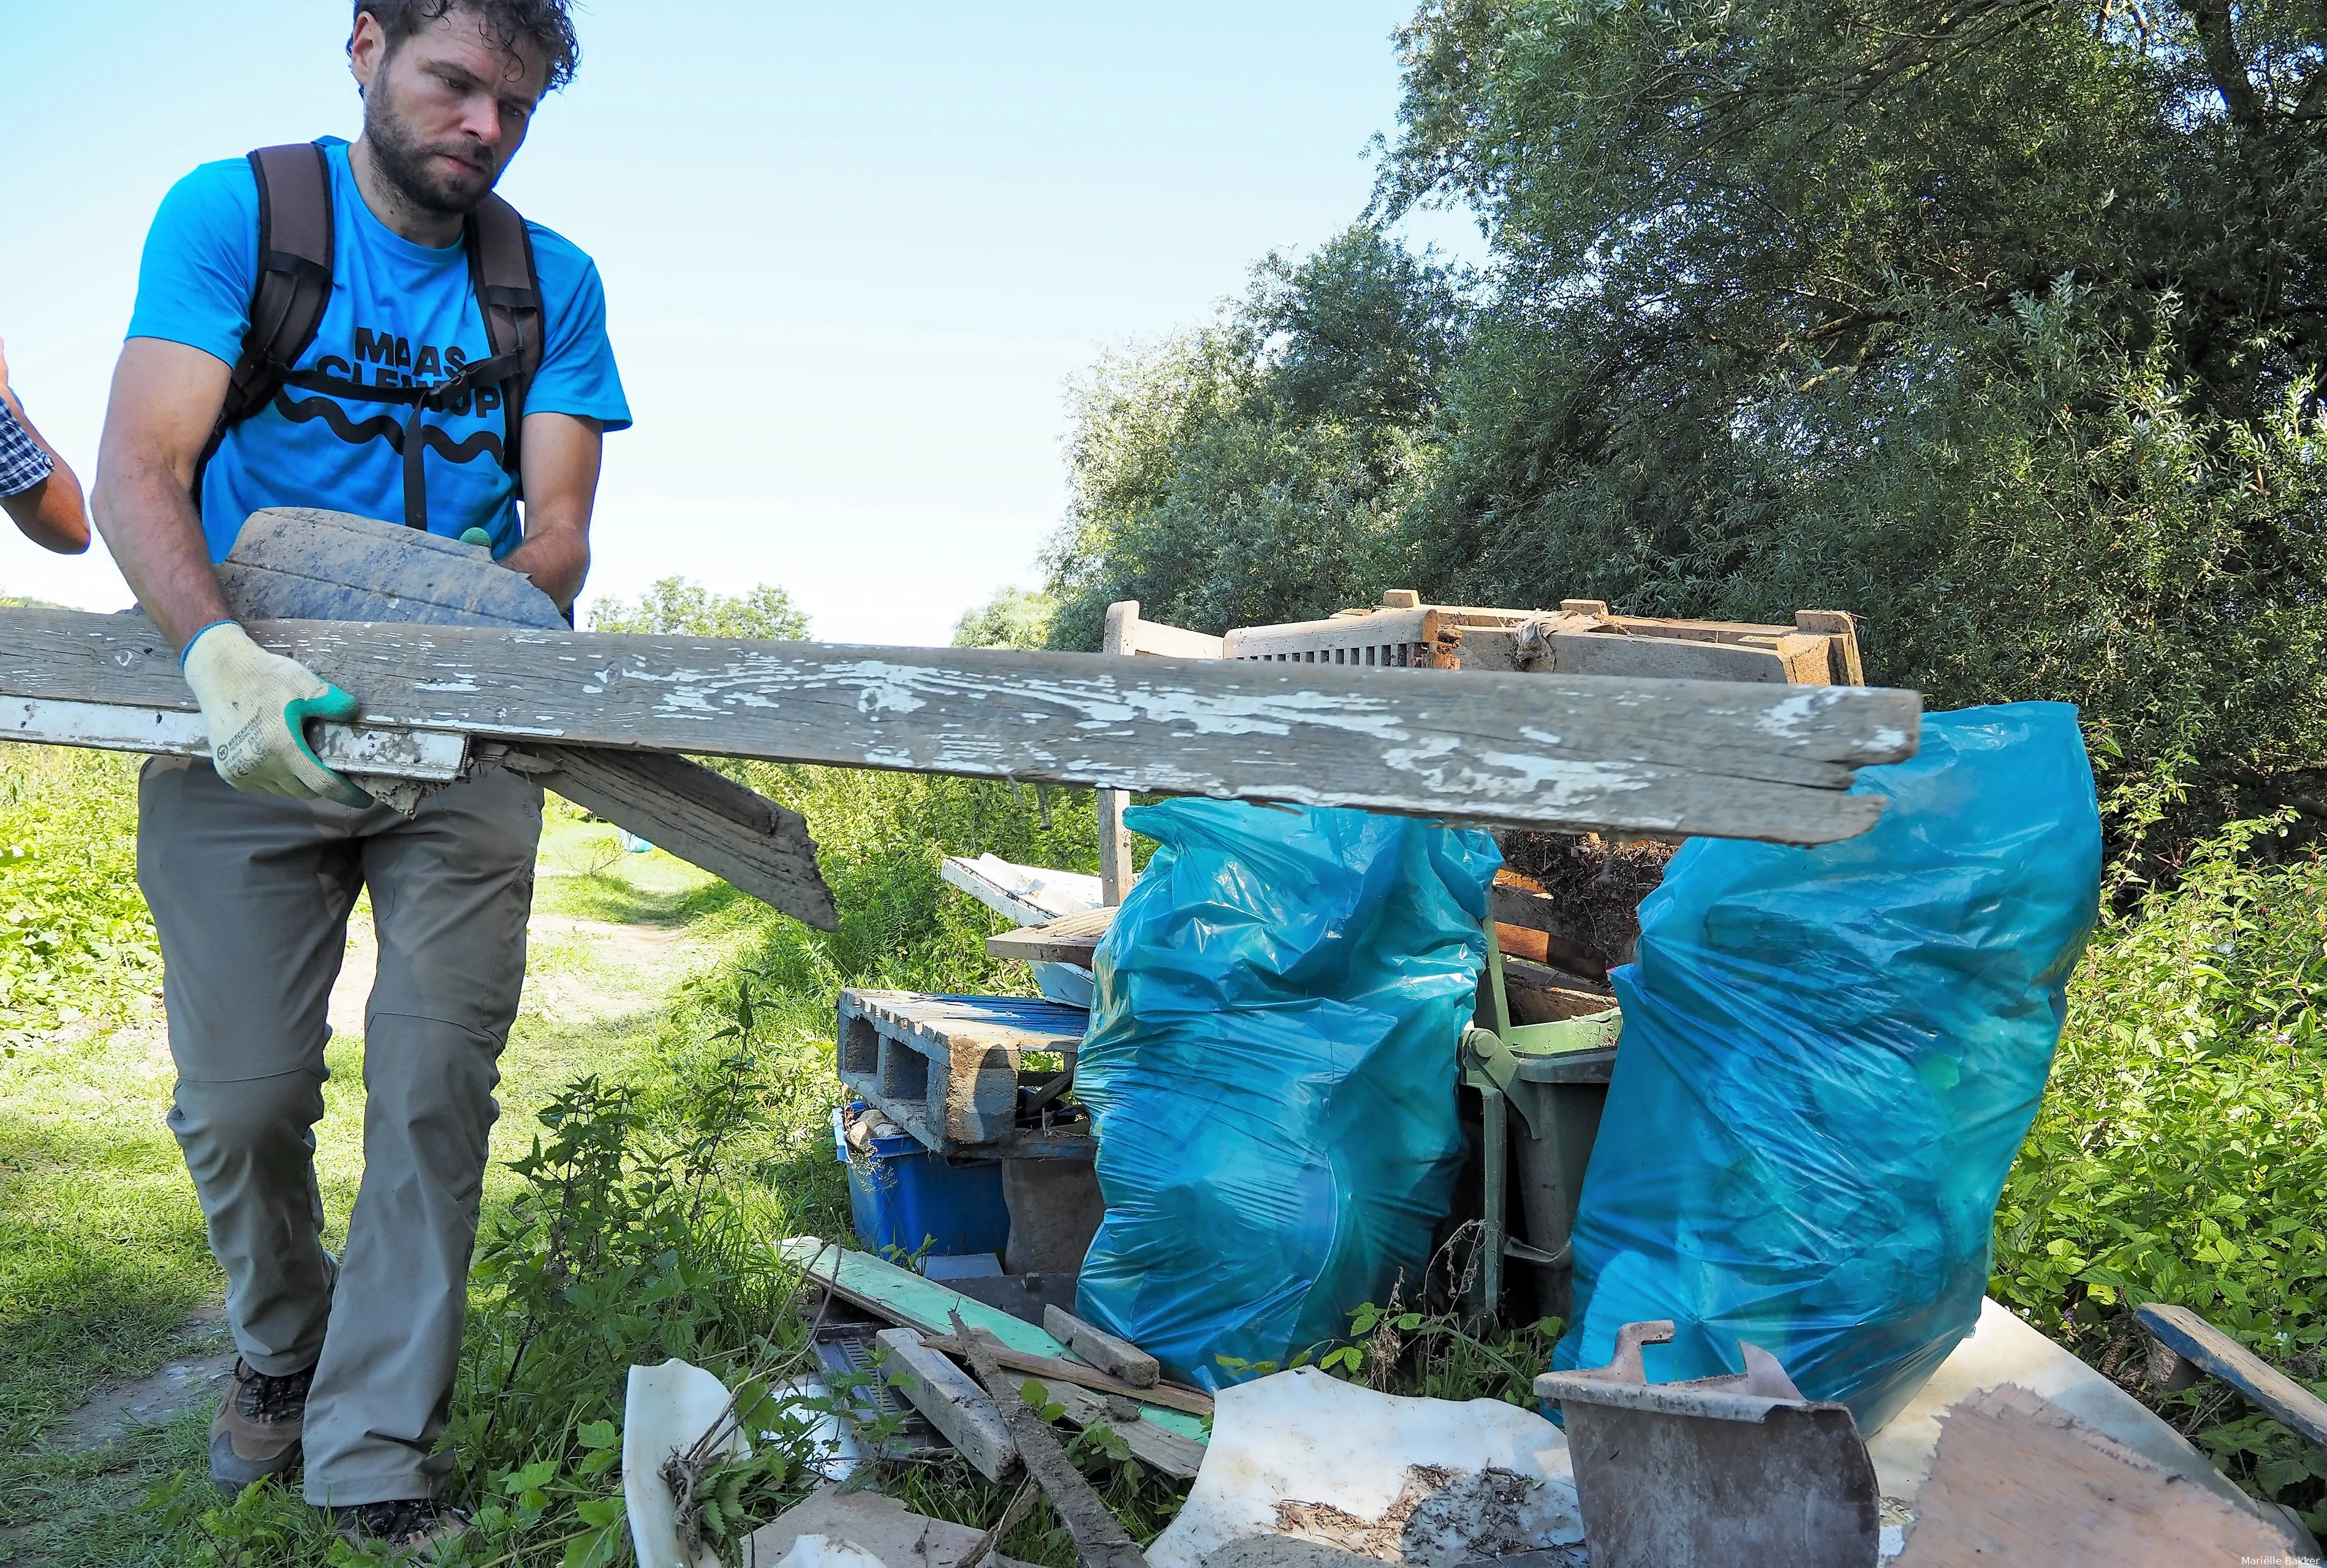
48, 509
560, 464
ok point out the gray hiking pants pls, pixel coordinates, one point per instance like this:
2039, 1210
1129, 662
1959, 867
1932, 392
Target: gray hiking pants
251, 895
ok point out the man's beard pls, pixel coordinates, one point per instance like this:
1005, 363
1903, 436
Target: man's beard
407, 164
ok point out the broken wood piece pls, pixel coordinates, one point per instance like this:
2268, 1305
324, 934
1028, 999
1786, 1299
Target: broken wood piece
1069, 939
705, 819
1672, 758
1519, 942
1126, 1360
880, 1524
2207, 1347
2016, 1480
955, 1405
1100, 1540
1171, 1395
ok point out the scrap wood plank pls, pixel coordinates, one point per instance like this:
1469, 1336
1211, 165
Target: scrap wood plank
2017, 1479
1164, 1451
705, 819
1028, 894
1171, 1395
1521, 751
1102, 1349
2197, 1342
954, 1405
905, 1297
1069, 939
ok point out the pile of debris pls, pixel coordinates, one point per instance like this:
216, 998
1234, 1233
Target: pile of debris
971, 1153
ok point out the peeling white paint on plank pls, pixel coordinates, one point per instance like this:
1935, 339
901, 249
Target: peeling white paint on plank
1521, 750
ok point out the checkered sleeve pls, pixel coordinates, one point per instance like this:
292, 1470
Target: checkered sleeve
23, 463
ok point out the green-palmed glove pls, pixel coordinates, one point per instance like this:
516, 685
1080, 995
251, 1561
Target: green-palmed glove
255, 706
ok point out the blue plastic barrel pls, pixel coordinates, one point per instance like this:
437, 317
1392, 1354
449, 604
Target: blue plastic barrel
903, 1196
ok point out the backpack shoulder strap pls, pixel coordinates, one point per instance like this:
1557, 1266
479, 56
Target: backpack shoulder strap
295, 277
509, 292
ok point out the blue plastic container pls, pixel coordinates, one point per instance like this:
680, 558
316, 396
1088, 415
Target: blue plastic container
902, 1196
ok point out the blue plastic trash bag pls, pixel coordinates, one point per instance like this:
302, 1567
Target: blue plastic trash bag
1830, 1059
1272, 1066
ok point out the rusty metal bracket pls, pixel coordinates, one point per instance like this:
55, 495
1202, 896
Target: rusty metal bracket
1719, 1472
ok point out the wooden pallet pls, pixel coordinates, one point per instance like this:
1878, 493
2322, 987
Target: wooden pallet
1581, 638
948, 1070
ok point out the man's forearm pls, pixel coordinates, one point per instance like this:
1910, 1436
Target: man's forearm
558, 560
150, 524
165, 398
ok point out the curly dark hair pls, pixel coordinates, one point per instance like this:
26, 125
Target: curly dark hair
545, 22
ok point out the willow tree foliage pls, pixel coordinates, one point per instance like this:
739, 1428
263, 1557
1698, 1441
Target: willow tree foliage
1997, 324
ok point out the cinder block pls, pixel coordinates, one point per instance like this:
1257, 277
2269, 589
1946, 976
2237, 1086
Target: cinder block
948, 1069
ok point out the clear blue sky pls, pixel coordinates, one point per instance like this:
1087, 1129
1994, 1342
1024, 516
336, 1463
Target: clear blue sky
853, 253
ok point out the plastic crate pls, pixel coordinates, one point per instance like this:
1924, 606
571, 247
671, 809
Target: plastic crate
901, 1195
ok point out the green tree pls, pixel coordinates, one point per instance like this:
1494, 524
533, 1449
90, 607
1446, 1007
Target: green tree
2000, 326
1013, 618
678, 606
1254, 470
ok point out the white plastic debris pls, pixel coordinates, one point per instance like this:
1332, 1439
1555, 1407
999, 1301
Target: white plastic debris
807, 1400
1431, 1482
828, 1552
666, 1411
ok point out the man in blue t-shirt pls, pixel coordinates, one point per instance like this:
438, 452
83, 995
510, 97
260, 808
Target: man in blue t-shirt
252, 863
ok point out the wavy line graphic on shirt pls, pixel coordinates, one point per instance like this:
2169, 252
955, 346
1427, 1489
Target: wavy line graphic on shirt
381, 427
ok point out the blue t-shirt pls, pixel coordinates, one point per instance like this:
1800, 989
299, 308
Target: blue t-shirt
401, 315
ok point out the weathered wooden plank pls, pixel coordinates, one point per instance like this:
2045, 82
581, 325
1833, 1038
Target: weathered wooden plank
1028, 894
954, 1405
2197, 1342
1524, 750
755, 845
1069, 939
1102, 1349
431, 756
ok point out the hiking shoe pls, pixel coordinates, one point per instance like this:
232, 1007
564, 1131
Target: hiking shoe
406, 1526
256, 1431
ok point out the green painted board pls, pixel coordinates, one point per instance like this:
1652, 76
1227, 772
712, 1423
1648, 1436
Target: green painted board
927, 1304
1594, 1031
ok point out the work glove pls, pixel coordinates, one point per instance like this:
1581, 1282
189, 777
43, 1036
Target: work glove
255, 706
